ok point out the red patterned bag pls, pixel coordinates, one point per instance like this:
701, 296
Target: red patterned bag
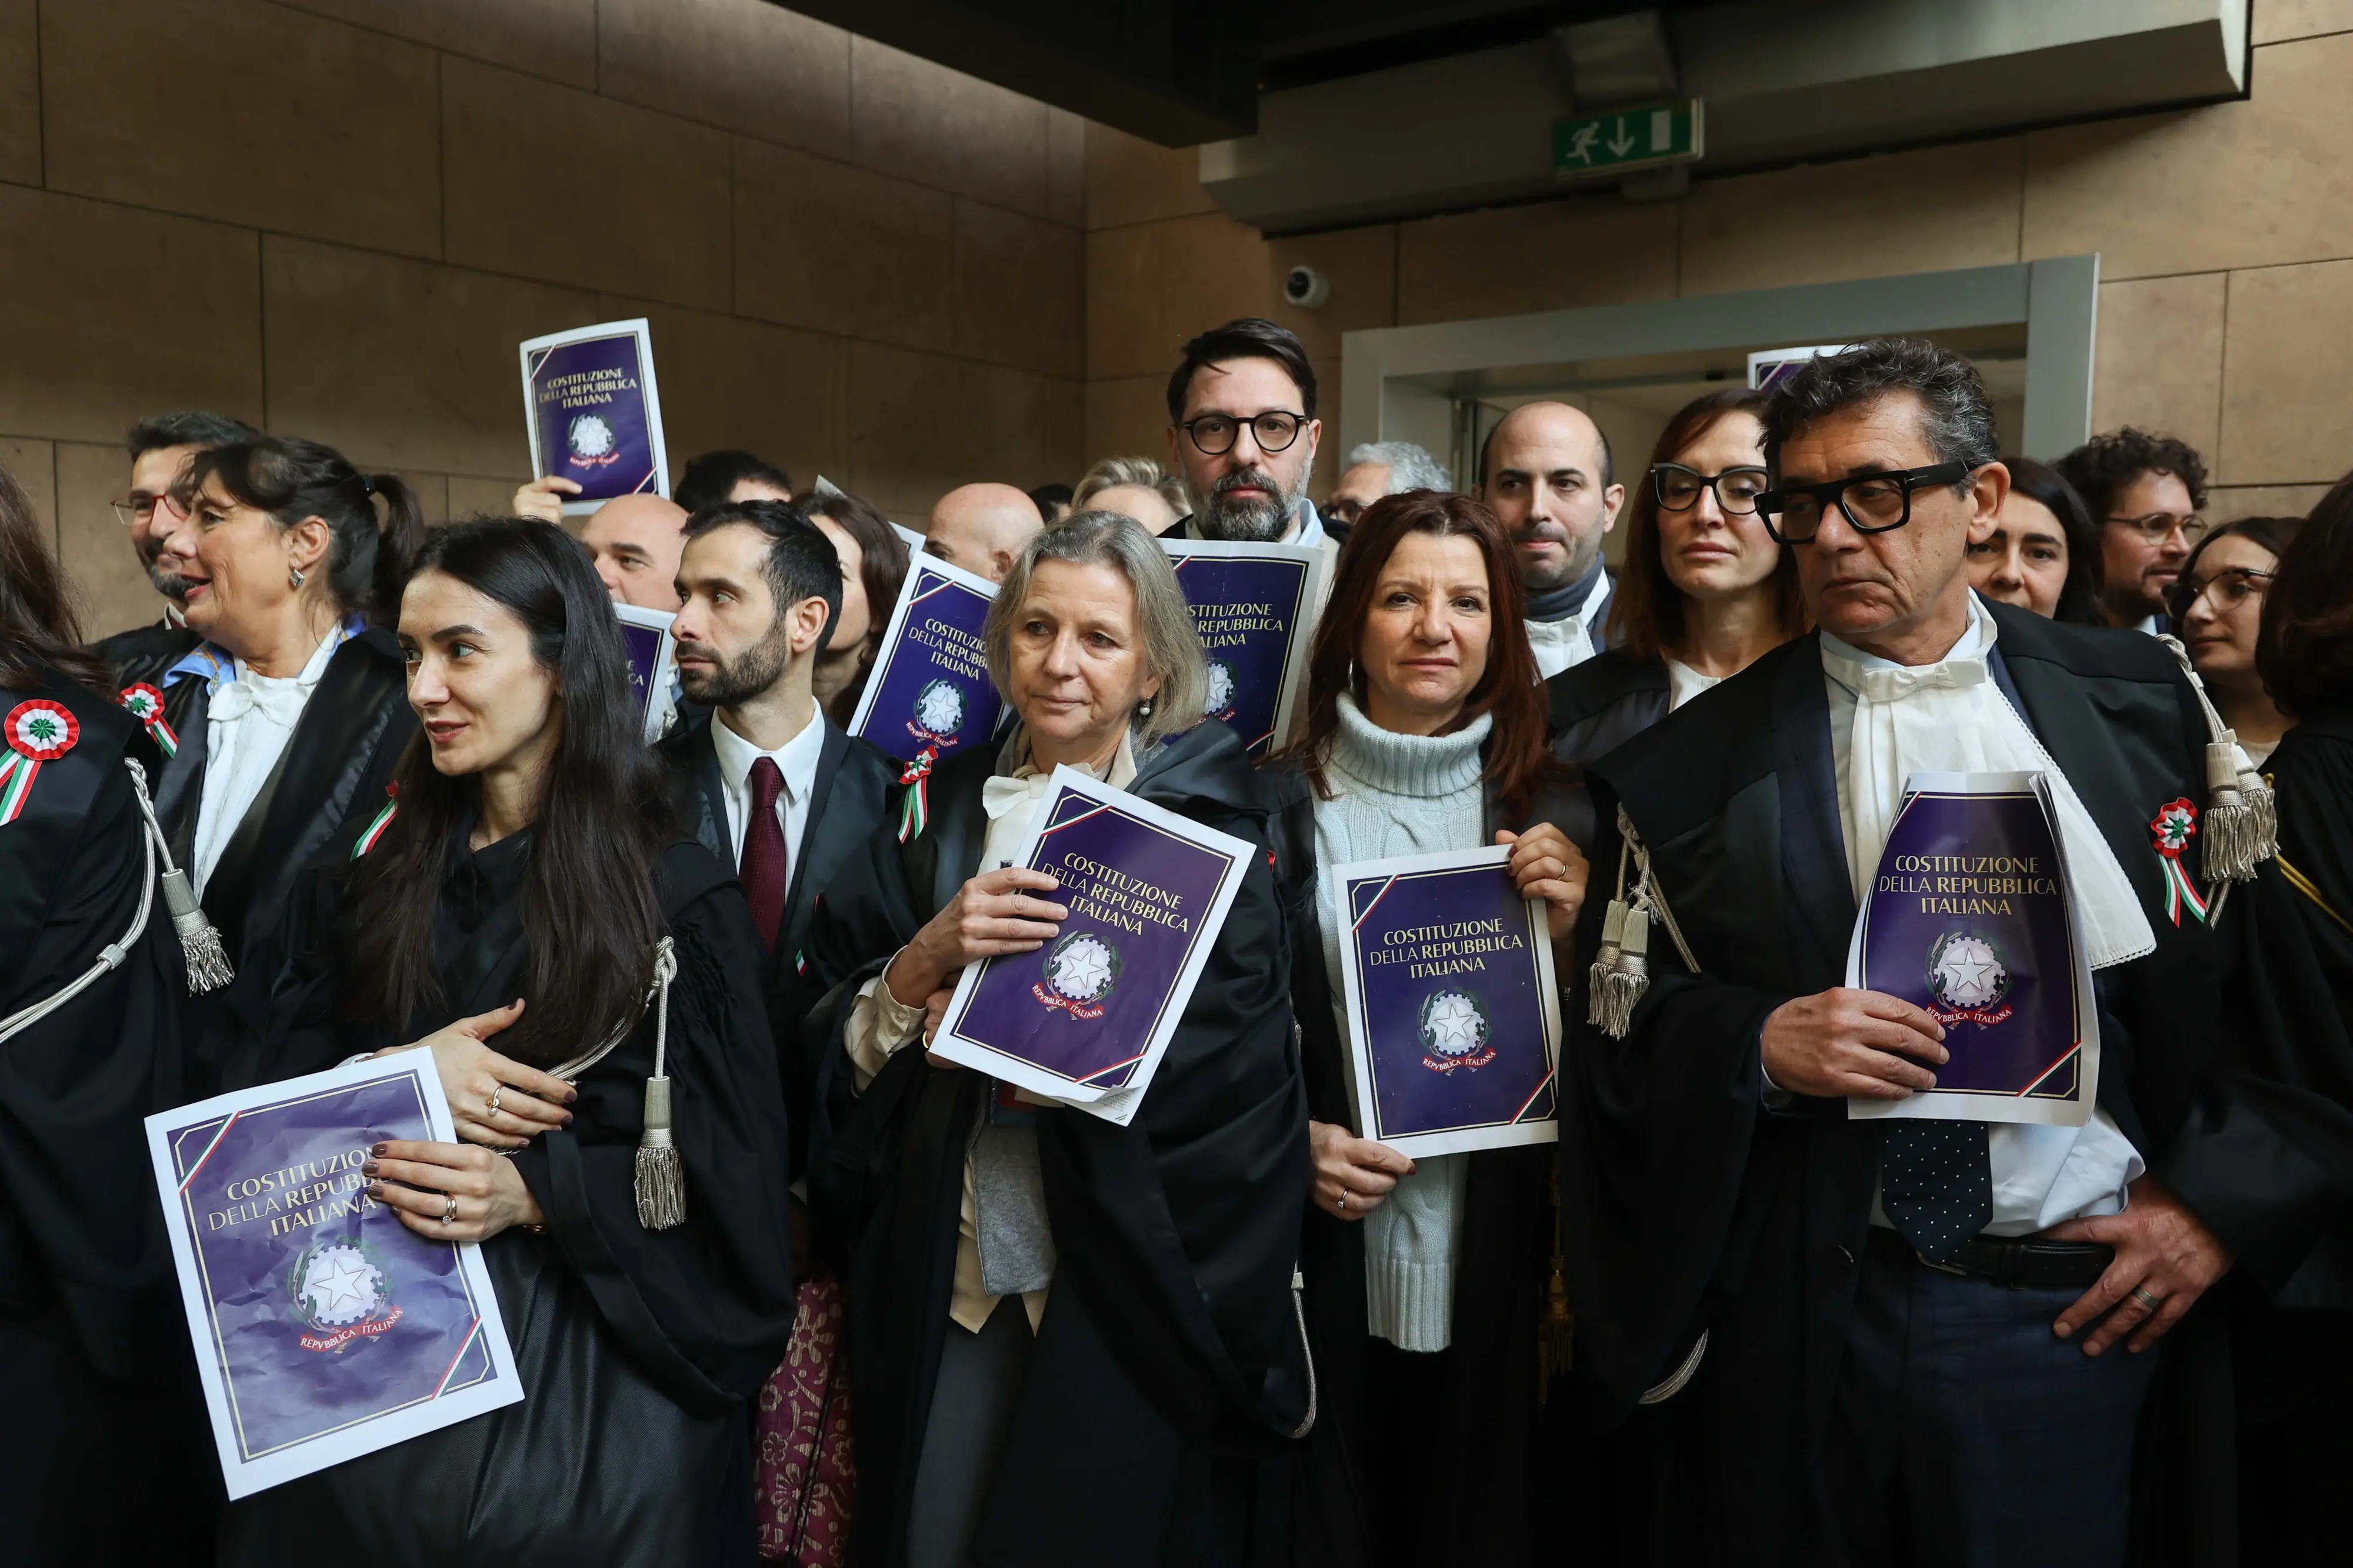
807, 1475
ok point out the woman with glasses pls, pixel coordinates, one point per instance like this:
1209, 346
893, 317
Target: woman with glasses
286, 718
1704, 589
2044, 555
2218, 608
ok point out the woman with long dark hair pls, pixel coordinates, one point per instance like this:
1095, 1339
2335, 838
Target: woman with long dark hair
1703, 591
90, 1347
524, 885
1067, 1337
1425, 733
287, 717
873, 564
2217, 605
2044, 553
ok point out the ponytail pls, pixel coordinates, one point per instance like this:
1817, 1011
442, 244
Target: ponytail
290, 479
398, 539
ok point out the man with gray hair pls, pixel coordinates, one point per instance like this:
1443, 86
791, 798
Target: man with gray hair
1914, 1331
1377, 469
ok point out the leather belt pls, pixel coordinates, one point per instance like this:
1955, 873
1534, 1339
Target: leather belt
2018, 1262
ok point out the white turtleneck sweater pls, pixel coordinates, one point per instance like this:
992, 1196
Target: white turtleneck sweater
1403, 794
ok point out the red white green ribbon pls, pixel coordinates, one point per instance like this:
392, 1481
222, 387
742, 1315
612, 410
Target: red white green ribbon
915, 806
375, 829
37, 732
145, 703
2174, 825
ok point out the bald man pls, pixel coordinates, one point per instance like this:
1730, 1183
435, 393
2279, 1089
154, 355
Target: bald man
982, 527
1544, 473
634, 541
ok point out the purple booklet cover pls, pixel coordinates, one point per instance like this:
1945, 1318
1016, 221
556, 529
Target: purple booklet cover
1969, 916
653, 664
1085, 1019
324, 1328
595, 414
1255, 607
1453, 1020
929, 688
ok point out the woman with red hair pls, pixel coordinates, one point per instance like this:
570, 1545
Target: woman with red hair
1425, 734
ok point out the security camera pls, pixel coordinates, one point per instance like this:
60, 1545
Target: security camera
1305, 287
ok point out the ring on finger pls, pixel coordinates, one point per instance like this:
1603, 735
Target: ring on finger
491, 1104
448, 1207
2146, 1298
1341, 1203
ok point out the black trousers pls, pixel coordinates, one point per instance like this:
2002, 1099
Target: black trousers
1964, 1434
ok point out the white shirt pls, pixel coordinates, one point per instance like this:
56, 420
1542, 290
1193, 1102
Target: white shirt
1684, 683
1568, 642
2041, 1175
247, 723
797, 758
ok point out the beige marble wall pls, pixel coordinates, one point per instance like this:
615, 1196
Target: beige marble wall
2225, 235
338, 217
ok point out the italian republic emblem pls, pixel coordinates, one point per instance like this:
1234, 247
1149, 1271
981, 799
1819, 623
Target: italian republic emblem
939, 711
1223, 684
1456, 1031
1080, 970
342, 1290
590, 440
1967, 979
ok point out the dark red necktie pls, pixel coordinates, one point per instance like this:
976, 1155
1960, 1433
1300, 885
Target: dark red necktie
763, 871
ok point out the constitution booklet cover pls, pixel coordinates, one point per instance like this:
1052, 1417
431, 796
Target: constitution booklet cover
1255, 607
1453, 1018
1969, 916
929, 688
653, 664
1085, 1019
594, 412
324, 1328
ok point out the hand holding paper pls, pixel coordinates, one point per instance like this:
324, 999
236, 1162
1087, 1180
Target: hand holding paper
1353, 1175
1546, 865
544, 498
989, 917
1850, 1042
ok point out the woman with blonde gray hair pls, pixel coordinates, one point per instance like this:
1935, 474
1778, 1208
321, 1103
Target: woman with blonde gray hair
1067, 1337
1137, 487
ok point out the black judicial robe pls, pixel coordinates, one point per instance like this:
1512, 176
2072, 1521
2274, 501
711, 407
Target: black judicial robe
2274, 1417
1169, 1351
1490, 1399
638, 1348
334, 767
1592, 710
1690, 1207
144, 653
853, 791
93, 1346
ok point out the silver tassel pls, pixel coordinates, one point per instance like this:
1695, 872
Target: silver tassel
1619, 988
200, 944
2235, 833
1605, 961
206, 956
661, 1171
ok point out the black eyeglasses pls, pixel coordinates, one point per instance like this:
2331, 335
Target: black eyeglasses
1871, 504
1678, 488
1273, 431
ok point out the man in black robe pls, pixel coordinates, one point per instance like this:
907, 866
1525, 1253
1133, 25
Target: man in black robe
763, 780
1872, 1326
160, 445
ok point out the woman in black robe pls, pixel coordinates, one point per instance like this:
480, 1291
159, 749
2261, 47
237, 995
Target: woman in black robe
1705, 590
1425, 734
521, 891
92, 1345
1072, 1342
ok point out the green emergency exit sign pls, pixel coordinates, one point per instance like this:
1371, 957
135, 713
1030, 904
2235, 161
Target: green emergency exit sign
1629, 138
